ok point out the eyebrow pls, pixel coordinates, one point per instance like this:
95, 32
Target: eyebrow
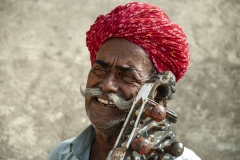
102, 63
125, 69
119, 67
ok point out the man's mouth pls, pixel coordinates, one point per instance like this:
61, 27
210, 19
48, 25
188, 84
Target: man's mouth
106, 102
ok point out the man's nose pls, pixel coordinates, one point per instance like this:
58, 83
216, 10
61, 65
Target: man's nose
109, 84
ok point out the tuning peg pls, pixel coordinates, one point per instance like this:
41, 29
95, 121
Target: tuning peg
176, 149
141, 145
158, 112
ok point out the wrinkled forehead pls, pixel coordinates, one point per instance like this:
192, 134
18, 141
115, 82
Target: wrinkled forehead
119, 51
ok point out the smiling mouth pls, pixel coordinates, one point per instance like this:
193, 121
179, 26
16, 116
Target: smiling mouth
106, 102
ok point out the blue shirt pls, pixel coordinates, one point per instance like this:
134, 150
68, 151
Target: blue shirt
78, 148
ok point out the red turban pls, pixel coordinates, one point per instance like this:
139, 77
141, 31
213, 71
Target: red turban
147, 26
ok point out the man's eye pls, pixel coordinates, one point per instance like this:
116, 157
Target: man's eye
128, 78
100, 71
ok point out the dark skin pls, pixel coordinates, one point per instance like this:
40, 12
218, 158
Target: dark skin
121, 67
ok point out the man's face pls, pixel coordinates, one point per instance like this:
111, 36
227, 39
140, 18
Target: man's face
121, 67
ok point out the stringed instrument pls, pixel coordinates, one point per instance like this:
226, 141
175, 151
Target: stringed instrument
147, 132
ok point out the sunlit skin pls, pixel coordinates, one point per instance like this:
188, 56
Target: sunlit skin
121, 67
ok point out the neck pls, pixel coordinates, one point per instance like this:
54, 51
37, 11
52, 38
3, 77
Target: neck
103, 143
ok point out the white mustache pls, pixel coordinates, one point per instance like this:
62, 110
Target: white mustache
120, 103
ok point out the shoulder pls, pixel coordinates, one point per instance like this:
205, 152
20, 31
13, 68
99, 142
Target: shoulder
74, 146
187, 155
57, 150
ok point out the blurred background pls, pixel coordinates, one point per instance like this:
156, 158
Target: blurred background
44, 59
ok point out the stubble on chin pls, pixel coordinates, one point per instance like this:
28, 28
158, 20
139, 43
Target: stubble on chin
101, 122
111, 133
107, 128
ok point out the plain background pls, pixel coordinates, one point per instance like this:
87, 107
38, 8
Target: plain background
43, 61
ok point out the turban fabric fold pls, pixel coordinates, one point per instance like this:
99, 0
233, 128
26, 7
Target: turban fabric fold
147, 26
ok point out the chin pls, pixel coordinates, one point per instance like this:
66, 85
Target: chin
109, 130
105, 122
105, 117
108, 124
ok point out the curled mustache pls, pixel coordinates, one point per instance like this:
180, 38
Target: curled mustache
121, 103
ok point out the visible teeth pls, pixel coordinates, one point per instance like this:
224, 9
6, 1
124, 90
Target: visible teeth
105, 101
111, 102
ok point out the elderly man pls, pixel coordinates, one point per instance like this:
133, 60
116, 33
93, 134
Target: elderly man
128, 46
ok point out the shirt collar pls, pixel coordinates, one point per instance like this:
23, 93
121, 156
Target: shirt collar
83, 141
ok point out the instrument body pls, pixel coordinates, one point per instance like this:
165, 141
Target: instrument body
147, 131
